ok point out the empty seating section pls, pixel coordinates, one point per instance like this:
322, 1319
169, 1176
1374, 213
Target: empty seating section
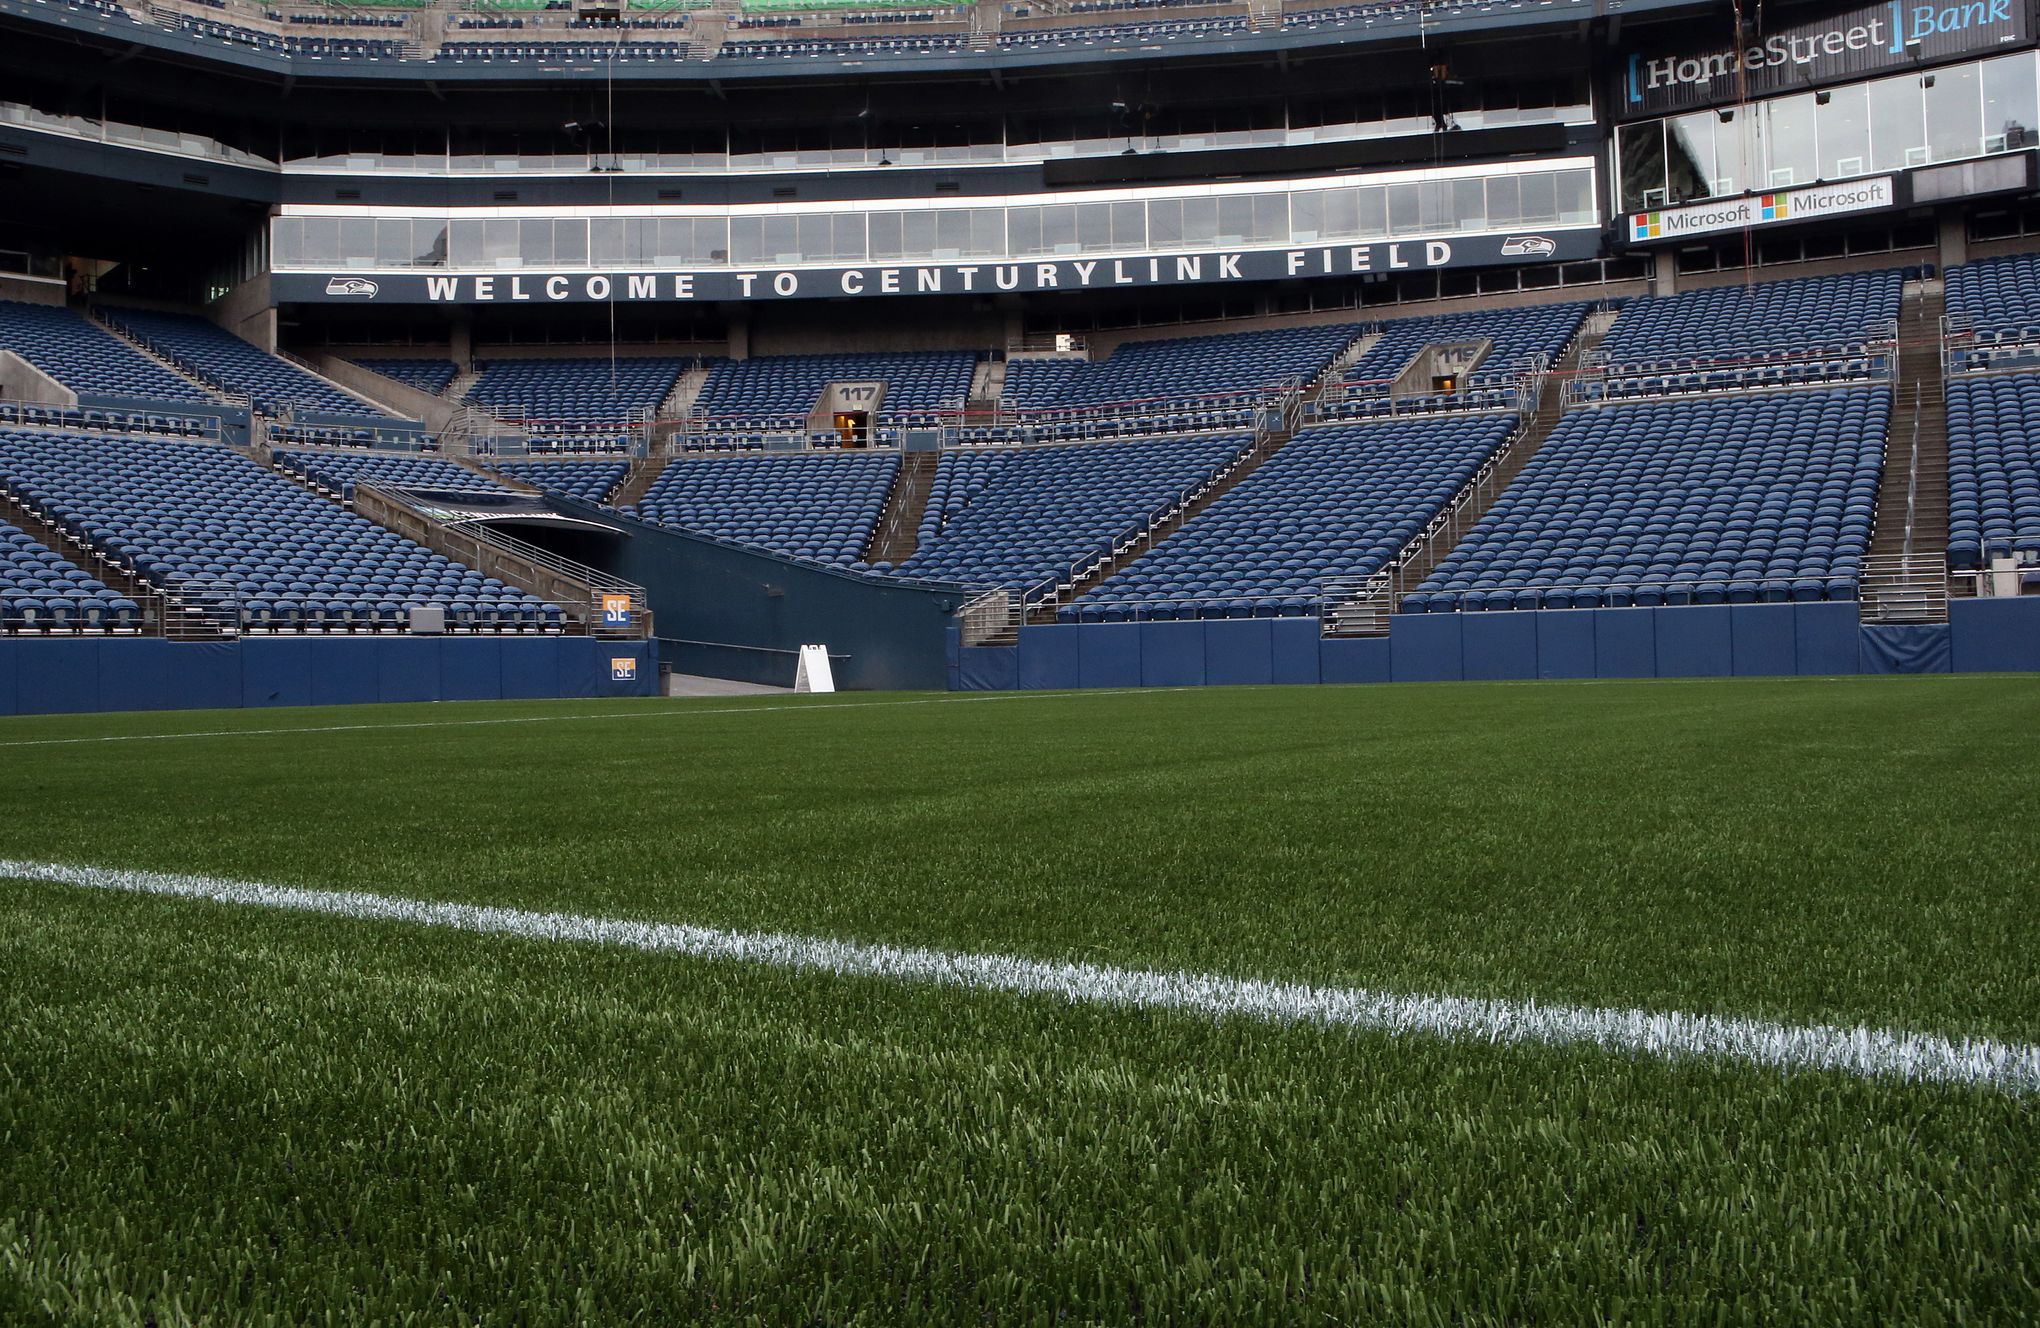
432, 376
564, 52
819, 506
1763, 335
1173, 384
336, 472
39, 591
86, 358
207, 351
1514, 336
1731, 499
1993, 310
1337, 501
1119, 34
1028, 518
162, 419
578, 404
1993, 470
776, 393
195, 516
815, 48
591, 481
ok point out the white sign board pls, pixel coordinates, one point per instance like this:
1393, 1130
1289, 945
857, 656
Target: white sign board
813, 674
1732, 214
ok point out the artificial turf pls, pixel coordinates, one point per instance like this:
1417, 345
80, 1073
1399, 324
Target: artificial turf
223, 1115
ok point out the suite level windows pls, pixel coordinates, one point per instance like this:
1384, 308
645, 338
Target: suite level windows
1919, 118
1452, 201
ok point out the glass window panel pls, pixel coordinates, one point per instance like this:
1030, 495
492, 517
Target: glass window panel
918, 235
466, 239
1235, 220
1271, 218
2008, 102
885, 236
782, 239
850, 238
1165, 223
1789, 156
1307, 215
1094, 227
1575, 197
1898, 134
1025, 225
1504, 202
428, 239
606, 233
570, 242
1842, 128
988, 233
357, 241
1469, 205
287, 242
393, 244
1954, 108
747, 240
535, 243
499, 243
1405, 210
1129, 226
1371, 209
1540, 200
1641, 158
1200, 221
1059, 229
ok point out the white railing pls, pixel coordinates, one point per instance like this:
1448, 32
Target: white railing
1904, 587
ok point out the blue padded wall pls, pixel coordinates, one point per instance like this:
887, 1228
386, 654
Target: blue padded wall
7, 671
1907, 648
1828, 639
1625, 643
988, 668
1296, 648
1994, 635
1239, 652
1362, 659
1172, 654
135, 675
58, 677
1048, 658
1109, 656
1693, 641
1426, 647
471, 669
277, 673
1565, 643
1764, 639
1499, 646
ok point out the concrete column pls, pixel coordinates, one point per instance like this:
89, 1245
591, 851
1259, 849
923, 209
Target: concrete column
1664, 278
1954, 240
460, 340
740, 334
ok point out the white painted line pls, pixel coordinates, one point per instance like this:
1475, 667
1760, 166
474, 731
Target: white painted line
618, 714
1863, 1052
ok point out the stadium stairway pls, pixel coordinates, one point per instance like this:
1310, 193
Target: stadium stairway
643, 474
109, 573
462, 384
685, 389
1418, 562
898, 532
1905, 574
166, 365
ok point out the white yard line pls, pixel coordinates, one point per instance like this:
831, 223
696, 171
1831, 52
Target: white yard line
633, 713
1863, 1052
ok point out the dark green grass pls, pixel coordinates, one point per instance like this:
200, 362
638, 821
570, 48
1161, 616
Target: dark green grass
242, 1117
1849, 851
220, 1115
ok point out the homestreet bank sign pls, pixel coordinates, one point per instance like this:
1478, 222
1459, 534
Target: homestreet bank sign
539, 287
1859, 43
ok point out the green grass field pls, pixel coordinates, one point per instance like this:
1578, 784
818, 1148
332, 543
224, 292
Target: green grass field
217, 1113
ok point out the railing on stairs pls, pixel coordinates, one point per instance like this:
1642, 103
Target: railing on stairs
992, 617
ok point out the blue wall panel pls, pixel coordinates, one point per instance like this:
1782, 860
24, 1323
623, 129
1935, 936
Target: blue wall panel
346, 672
1425, 647
135, 675
642, 668
1625, 643
1828, 641
8, 650
1353, 659
584, 666
1172, 654
204, 676
1990, 635
1295, 648
1765, 639
1048, 657
1108, 655
988, 668
1239, 652
1695, 641
1907, 648
276, 672
1496, 646
58, 677
408, 670
470, 669
529, 669
1565, 643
